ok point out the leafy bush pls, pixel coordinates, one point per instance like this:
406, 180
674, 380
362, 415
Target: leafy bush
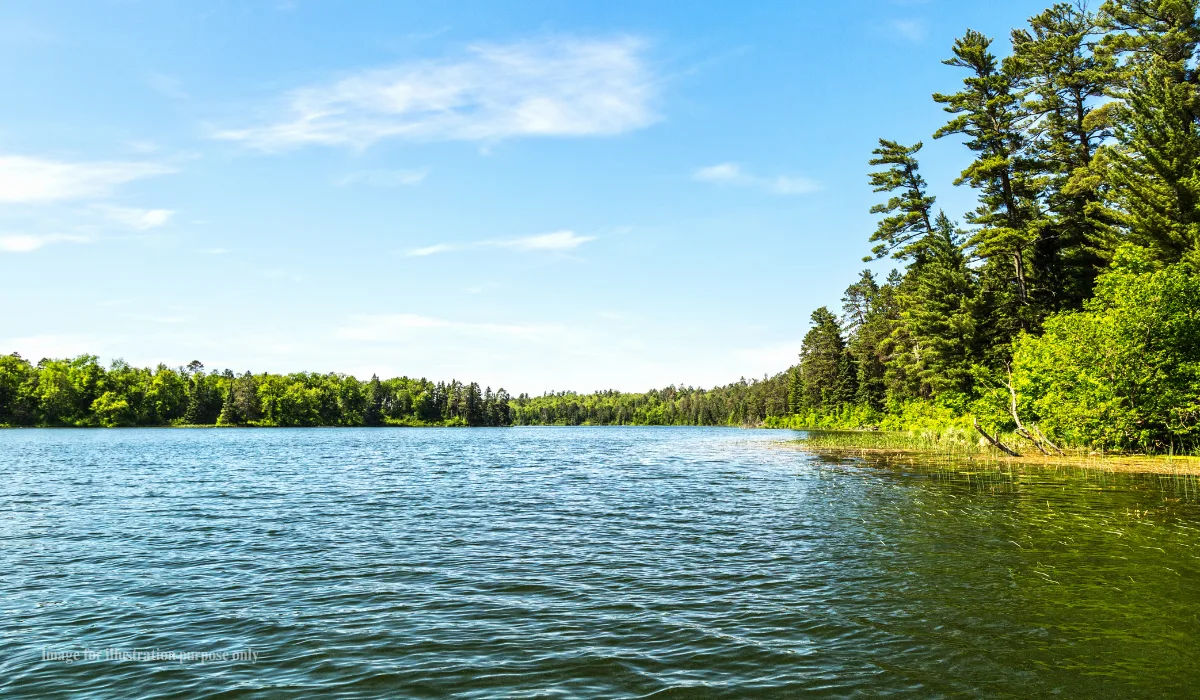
1125, 371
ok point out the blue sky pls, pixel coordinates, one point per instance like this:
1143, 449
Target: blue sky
535, 195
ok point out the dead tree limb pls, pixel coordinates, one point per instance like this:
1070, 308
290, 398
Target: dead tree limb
1042, 436
996, 443
1012, 408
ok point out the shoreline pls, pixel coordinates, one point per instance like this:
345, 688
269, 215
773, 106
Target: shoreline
1184, 465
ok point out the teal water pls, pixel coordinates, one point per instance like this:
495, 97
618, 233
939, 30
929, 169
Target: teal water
577, 562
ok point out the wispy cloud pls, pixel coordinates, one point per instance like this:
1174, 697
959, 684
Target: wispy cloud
733, 174
560, 86
27, 243
214, 251
910, 29
35, 347
166, 85
557, 241
38, 180
399, 327
132, 217
384, 178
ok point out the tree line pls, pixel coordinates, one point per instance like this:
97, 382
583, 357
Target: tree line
81, 392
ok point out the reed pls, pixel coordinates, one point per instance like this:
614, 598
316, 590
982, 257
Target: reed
955, 447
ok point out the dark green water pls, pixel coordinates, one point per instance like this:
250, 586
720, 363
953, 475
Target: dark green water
577, 562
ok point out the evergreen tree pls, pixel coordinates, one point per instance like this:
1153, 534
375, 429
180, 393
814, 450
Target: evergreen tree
825, 366
229, 413
245, 398
938, 312
1155, 172
991, 115
204, 399
796, 397
901, 233
1064, 74
373, 414
1163, 31
866, 321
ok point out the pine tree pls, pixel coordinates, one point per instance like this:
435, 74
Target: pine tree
990, 114
204, 400
1155, 170
1155, 167
373, 414
865, 318
826, 367
902, 232
795, 391
938, 312
229, 413
1145, 31
245, 398
1064, 73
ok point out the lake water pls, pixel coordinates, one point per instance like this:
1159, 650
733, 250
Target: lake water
577, 562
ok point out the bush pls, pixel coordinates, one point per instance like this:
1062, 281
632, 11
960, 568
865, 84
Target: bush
1125, 371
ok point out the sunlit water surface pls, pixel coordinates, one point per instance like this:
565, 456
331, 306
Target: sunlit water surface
578, 562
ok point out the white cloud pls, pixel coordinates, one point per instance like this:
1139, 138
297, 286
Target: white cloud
776, 357
793, 185
166, 85
724, 172
26, 243
36, 180
140, 219
384, 178
559, 240
56, 346
390, 328
553, 87
433, 250
910, 29
732, 174
556, 241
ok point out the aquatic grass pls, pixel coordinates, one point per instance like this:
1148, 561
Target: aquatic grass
956, 446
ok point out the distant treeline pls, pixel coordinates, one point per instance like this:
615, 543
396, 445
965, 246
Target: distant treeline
81, 392
740, 403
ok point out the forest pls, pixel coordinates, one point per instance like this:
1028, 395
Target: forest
1066, 304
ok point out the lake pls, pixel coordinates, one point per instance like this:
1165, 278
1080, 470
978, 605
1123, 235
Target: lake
581, 563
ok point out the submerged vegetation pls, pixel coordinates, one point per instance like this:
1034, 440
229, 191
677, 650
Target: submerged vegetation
1062, 311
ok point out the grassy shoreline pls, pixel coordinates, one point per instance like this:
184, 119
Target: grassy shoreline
933, 448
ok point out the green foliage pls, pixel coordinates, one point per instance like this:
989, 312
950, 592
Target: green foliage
1155, 171
991, 115
741, 403
826, 368
902, 232
1064, 76
1125, 371
80, 392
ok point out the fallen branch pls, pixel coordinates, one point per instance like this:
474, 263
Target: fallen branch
1022, 432
1012, 408
1038, 431
996, 443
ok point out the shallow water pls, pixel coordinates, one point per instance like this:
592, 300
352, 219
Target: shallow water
577, 562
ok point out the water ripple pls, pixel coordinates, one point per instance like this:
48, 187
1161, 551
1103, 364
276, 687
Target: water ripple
578, 562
